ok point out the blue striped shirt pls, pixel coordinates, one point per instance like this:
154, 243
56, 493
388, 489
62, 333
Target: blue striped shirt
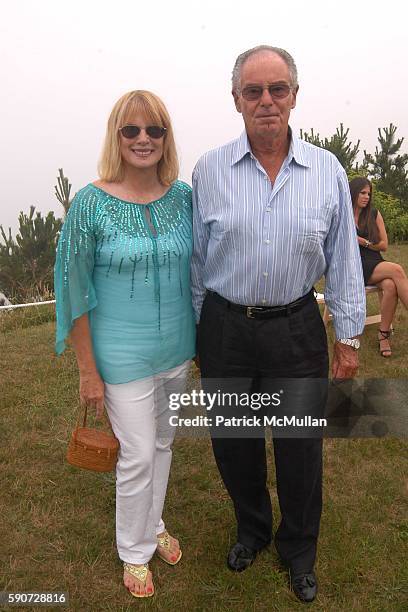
258, 243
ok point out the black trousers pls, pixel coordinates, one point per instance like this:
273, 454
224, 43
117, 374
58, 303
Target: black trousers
247, 355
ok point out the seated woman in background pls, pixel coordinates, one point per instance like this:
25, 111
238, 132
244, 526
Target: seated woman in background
372, 239
122, 283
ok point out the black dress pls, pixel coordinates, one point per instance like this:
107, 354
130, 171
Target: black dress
369, 258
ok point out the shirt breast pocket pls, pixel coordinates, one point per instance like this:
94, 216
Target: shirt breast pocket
312, 230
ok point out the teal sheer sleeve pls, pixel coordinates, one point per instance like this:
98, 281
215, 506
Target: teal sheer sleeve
74, 289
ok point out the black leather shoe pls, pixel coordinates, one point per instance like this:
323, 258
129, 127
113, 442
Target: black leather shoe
240, 557
304, 586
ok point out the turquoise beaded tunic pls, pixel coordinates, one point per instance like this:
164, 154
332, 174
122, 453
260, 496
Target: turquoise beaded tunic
128, 266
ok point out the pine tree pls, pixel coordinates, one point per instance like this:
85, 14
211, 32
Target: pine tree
63, 190
27, 263
11, 268
387, 167
345, 152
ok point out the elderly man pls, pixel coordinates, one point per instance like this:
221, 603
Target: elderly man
272, 214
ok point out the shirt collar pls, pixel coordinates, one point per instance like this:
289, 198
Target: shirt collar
297, 150
241, 148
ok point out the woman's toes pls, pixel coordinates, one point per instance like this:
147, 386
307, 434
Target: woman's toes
175, 550
130, 584
135, 586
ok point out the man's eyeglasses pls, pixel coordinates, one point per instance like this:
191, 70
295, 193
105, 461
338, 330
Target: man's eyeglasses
277, 92
153, 131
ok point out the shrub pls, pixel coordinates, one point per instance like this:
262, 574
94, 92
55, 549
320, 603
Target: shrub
395, 218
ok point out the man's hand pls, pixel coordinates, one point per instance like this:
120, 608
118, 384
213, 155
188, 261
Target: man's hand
345, 361
92, 391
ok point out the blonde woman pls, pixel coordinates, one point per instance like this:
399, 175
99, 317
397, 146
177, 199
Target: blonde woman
123, 296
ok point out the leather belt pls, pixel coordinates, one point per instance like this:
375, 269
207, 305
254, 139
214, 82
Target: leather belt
265, 312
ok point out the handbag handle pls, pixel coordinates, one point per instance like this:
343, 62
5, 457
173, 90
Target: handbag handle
105, 416
85, 415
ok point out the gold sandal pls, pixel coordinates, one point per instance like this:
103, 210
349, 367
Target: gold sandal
139, 572
164, 542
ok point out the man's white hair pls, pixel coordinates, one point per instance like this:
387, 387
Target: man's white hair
241, 59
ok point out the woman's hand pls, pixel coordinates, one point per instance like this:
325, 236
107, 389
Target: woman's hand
92, 391
363, 242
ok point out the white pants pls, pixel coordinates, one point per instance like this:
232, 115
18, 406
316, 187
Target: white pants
139, 414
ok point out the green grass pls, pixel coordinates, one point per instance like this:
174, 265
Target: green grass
20, 318
57, 523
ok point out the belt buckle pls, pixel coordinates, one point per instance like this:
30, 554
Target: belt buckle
249, 312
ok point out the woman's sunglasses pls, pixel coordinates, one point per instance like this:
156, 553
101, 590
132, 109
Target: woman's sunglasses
153, 131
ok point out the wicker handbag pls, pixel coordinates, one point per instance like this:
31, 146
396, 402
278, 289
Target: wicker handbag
92, 449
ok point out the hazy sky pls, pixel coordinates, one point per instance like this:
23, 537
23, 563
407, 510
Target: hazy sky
64, 64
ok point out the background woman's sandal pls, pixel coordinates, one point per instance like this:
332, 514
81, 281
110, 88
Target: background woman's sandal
385, 335
164, 543
140, 572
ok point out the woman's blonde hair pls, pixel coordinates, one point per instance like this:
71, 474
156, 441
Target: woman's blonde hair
149, 105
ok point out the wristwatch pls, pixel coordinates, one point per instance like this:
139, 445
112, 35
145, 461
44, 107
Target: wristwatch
353, 342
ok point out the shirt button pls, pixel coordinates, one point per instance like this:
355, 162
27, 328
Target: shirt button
265, 274
268, 209
267, 242
263, 301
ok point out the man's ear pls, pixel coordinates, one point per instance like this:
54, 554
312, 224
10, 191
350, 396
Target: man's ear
294, 94
237, 101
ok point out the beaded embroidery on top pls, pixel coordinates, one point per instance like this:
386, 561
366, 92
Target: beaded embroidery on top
123, 236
